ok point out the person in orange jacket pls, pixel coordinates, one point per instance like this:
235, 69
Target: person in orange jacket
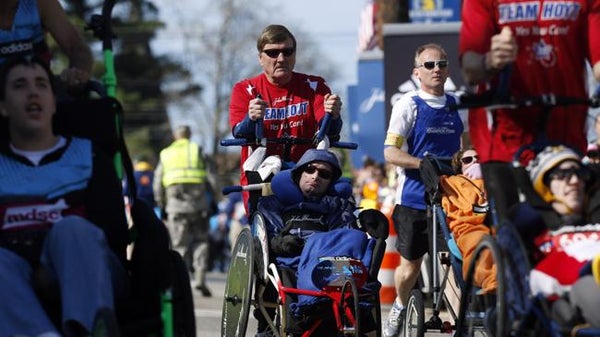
465, 203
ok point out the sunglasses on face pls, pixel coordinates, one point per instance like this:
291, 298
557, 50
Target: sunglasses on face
431, 64
274, 53
325, 174
469, 159
566, 174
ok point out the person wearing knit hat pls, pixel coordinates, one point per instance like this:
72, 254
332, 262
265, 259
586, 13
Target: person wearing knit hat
564, 193
568, 247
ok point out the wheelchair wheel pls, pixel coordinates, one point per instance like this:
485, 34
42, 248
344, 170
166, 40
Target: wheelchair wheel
238, 290
414, 322
261, 245
483, 314
516, 287
376, 312
184, 318
349, 309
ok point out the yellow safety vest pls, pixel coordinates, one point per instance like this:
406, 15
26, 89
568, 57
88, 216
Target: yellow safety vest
182, 164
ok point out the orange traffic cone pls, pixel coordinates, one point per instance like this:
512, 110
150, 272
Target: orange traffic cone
391, 260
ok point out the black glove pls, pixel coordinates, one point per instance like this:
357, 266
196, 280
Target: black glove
287, 245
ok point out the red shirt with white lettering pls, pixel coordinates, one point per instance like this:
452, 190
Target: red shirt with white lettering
554, 39
294, 110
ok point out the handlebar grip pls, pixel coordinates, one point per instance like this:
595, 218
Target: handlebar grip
324, 128
345, 145
504, 81
230, 189
259, 129
234, 142
249, 187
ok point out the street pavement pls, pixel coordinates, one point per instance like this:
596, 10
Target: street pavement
208, 309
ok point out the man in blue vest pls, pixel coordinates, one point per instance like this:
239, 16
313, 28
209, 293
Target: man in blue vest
182, 192
421, 122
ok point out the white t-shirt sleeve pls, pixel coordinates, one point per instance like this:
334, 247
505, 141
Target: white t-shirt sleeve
403, 115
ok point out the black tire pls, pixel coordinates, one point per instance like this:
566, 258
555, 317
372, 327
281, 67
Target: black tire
349, 309
239, 287
376, 311
414, 321
516, 295
478, 315
184, 318
105, 324
261, 246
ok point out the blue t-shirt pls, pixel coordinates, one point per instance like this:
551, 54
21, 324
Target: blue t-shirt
26, 35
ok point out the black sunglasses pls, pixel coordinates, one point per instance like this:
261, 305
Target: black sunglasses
566, 174
431, 64
274, 53
325, 174
469, 159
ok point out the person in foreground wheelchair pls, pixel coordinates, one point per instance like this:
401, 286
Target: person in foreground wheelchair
302, 206
56, 202
564, 242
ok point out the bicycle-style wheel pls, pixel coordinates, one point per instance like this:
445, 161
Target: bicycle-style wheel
414, 322
238, 290
483, 314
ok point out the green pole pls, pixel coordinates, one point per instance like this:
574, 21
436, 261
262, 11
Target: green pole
167, 313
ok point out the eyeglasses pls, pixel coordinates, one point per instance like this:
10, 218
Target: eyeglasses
274, 53
431, 64
325, 174
469, 159
566, 174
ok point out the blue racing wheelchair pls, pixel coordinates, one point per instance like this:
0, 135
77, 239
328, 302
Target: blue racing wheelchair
338, 295
342, 289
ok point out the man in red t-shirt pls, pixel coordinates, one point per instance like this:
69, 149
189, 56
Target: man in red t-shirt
546, 43
289, 104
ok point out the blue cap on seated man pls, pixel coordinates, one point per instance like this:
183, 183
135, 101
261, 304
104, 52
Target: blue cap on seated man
285, 183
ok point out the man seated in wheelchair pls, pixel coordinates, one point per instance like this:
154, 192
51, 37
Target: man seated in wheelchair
310, 216
466, 207
58, 209
565, 244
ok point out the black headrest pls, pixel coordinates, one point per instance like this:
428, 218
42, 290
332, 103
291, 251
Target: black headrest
95, 119
374, 223
431, 169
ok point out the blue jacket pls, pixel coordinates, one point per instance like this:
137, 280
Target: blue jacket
350, 243
334, 210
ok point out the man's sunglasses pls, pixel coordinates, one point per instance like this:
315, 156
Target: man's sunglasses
566, 174
325, 174
469, 159
431, 64
274, 53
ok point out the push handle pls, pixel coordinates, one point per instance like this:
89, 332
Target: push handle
322, 132
259, 126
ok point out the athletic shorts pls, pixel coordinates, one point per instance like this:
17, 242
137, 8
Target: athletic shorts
412, 228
